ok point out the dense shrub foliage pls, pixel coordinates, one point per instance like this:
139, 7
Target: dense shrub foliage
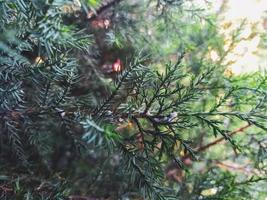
121, 100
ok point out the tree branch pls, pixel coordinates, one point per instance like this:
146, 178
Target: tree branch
108, 4
203, 148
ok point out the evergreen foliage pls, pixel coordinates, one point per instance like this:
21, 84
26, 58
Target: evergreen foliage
71, 123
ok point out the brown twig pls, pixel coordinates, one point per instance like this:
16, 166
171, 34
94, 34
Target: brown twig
173, 170
203, 148
230, 166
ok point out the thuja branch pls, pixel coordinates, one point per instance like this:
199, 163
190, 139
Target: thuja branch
114, 93
165, 80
